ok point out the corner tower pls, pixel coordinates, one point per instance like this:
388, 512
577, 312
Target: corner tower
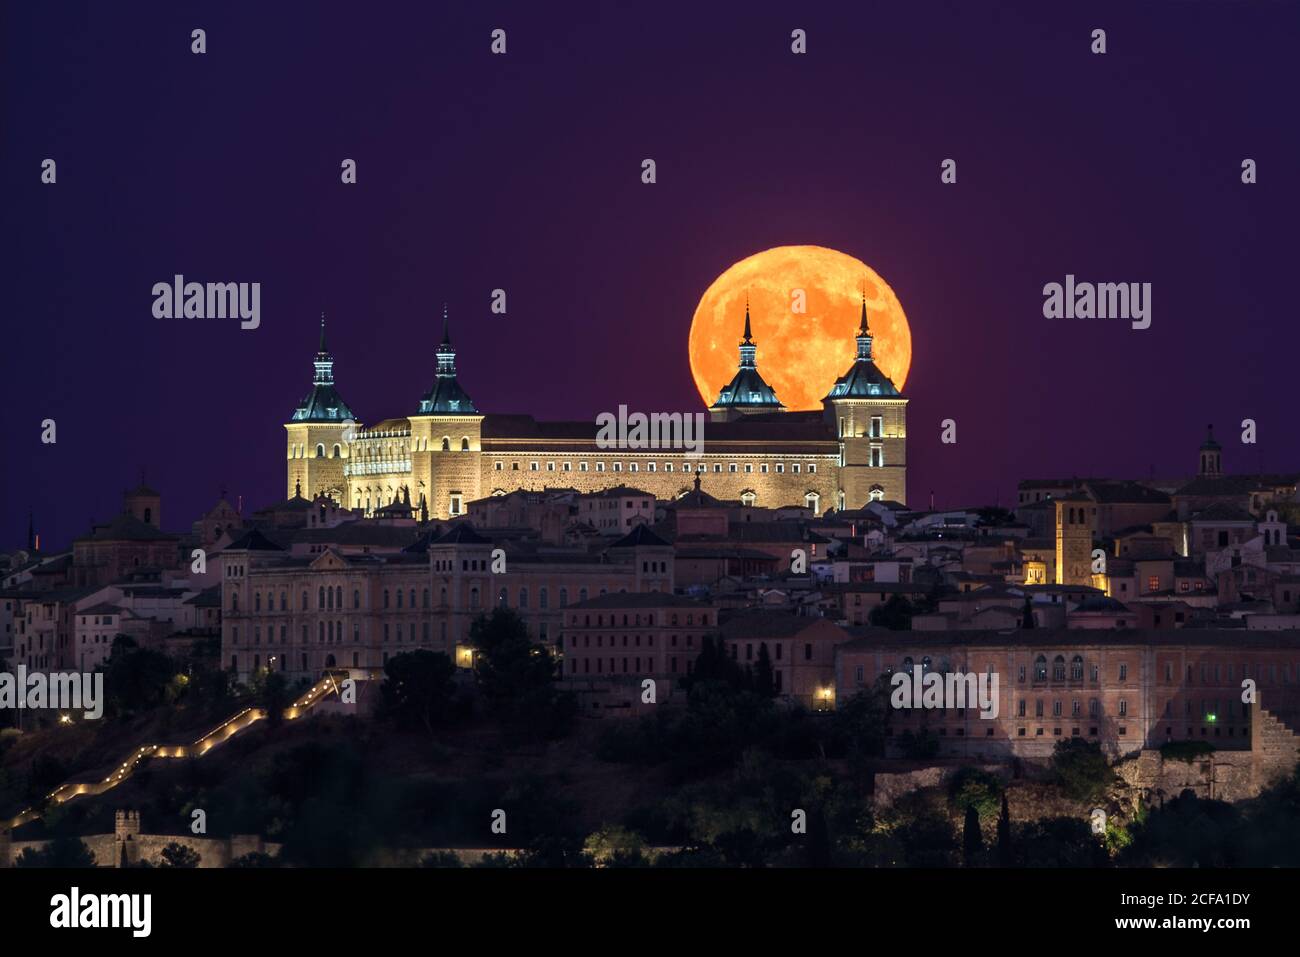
869, 415
319, 432
747, 392
446, 440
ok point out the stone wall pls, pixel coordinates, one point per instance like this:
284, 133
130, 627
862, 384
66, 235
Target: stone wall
890, 786
1220, 775
107, 848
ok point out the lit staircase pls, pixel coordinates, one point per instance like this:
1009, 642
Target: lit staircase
218, 735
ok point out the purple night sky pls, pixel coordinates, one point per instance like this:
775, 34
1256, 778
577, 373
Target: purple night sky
523, 172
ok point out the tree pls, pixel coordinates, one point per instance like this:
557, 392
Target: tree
136, 679
176, 854
1081, 769
715, 664
1027, 616
972, 842
764, 681
60, 852
971, 787
517, 677
418, 689
273, 697
860, 722
1006, 853
895, 614
441, 859
615, 846
255, 859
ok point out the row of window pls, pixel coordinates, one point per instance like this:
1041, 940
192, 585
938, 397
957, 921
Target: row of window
635, 619
795, 467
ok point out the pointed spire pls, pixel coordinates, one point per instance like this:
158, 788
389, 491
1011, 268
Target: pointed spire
446, 396
322, 348
864, 331
748, 337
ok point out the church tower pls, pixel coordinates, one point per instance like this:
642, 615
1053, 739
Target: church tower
1074, 539
446, 437
747, 392
1211, 456
869, 415
318, 434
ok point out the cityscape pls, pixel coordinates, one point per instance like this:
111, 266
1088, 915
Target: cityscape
609, 469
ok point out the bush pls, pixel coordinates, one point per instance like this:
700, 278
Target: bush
1185, 751
1081, 770
971, 787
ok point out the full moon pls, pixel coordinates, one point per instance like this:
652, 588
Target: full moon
800, 353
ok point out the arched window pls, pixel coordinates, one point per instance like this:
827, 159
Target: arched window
542, 600
1058, 668
564, 597
523, 598
338, 451
304, 601
426, 598
1040, 668
320, 597
356, 598
446, 444
464, 444
908, 665
1076, 668
284, 601
582, 594
925, 663
257, 601
399, 598
320, 451
473, 597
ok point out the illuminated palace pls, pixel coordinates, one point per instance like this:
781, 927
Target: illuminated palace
447, 453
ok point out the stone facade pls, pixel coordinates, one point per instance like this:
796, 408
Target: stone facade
128, 845
851, 451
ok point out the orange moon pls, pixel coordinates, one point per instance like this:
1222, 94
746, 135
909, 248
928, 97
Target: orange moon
800, 354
